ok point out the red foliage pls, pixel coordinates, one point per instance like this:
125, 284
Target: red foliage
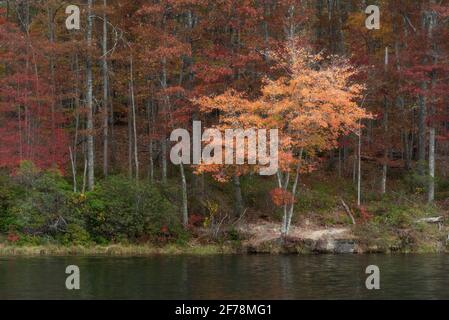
164, 230
13, 237
195, 220
281, 197
364, 214
30, 117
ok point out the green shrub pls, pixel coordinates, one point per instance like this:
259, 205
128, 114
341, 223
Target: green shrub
8, 195
32, 240
119, 210
315, 200
75, 235
42, 208
256, 192
416, 182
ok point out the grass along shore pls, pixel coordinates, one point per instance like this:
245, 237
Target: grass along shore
324, 244
114, 250
201, 250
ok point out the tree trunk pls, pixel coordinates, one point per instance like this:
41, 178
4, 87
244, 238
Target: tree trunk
133, 108
431, 186
238, 196
51, 32
284, 186
84, 176
105, 93
383, 186
185, 213
359, 166
77, 115
385, 159
89, 98
130, 135
165, 106
354, 166
164, 159
150, 143
422, 130
295, 185
72, 162
111, 135
431, 191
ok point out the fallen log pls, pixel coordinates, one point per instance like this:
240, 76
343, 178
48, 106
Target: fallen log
348, 211
431, 219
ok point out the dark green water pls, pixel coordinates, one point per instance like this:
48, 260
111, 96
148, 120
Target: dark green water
227, 277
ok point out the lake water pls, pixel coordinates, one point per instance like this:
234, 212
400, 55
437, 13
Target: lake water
227, 277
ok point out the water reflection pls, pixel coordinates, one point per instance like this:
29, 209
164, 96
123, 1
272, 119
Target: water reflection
227, 277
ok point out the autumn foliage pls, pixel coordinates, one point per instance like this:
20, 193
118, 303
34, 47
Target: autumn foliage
30, 126
348, 102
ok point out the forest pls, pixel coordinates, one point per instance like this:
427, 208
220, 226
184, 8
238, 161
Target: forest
91, 92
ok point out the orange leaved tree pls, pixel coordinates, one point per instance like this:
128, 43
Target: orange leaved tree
312, 104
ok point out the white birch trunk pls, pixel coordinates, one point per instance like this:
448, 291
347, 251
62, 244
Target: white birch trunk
89, 97
185, 213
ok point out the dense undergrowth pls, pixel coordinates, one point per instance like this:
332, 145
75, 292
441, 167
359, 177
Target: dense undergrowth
40, 208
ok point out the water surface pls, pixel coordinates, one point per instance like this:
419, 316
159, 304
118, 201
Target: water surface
227, 277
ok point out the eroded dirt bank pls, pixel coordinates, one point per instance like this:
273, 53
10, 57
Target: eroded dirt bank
265, 237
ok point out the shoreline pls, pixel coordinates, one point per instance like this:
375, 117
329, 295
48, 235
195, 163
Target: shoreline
118, 250
260, 238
